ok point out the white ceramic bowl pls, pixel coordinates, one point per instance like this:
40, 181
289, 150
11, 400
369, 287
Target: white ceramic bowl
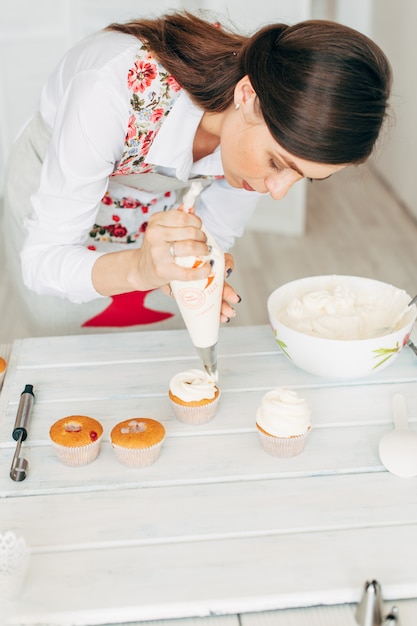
335, 357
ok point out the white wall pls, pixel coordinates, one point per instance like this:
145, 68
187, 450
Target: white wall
34, 36
392, 25
394, 28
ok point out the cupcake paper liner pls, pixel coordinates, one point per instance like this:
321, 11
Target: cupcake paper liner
195, 414
75, 456
137, 457
283, 447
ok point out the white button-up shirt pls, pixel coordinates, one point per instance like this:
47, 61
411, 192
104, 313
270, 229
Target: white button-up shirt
85, 106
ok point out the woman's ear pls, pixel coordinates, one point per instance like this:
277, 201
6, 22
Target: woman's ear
244, 92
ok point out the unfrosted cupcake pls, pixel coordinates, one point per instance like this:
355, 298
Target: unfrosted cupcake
3, 368
283, 422
194, 396
137, 442
76, 439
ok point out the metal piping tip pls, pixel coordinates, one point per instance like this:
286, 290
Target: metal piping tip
208, 357
370, 608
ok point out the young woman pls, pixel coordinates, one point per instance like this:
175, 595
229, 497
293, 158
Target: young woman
136, 112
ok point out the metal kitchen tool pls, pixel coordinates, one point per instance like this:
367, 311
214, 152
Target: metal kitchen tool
19, 468
388, 329
412, 346
393, 617
370, 608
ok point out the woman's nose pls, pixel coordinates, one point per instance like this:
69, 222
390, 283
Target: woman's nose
280, 183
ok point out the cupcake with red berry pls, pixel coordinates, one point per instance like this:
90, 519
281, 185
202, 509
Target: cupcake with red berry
76, 439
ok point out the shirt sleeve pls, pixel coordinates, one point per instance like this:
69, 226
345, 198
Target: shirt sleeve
225, 210
87, 139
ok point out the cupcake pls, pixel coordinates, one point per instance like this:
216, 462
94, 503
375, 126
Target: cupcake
76, 439
194, 396
283, 422
137, 442
3, 367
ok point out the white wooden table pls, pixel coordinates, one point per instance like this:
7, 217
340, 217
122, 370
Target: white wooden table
216, 526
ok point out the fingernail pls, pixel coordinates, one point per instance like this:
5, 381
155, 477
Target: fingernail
211, 262
209, 248
229, 271
240, 299
228, 320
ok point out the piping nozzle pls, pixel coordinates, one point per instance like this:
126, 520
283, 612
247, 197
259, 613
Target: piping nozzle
370, 608
208, 357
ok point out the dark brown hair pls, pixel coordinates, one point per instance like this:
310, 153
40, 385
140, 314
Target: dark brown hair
322, 87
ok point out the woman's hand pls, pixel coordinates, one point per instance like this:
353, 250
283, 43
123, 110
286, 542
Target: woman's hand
229, 294
168, 234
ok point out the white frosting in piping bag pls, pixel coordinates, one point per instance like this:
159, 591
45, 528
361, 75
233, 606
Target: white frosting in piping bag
199, 301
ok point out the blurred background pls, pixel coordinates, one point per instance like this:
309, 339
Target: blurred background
362, 221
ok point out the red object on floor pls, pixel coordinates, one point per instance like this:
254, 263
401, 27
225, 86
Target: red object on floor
128, 309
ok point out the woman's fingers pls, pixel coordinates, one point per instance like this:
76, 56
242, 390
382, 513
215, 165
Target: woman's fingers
229, 297
227, 311
229, 264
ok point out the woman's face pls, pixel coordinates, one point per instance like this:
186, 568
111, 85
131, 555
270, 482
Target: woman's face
251, 157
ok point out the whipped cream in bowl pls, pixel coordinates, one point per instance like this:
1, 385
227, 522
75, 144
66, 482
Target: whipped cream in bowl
341, 326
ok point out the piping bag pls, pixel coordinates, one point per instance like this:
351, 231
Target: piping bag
199, 301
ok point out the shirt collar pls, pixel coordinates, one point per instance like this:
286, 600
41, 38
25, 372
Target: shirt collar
173, 145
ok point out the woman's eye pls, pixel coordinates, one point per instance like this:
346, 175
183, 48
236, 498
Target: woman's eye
274, 166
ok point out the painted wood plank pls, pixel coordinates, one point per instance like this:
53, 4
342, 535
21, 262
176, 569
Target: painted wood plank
137, 346
215, 620
163, 515
340, 615
192, 460
331, 407
156, 582
162, 346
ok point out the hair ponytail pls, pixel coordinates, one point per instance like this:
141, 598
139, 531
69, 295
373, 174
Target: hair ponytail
327, 93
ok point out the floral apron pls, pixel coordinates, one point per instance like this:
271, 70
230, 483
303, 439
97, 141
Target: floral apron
135, 189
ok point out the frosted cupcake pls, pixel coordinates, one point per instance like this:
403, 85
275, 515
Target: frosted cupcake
76, 439
194, 396
283, 422
3, 368
137, 442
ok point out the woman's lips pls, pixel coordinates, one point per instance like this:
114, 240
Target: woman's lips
246, 186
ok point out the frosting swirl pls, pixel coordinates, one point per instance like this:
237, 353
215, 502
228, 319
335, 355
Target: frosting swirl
283, 413
192, 386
